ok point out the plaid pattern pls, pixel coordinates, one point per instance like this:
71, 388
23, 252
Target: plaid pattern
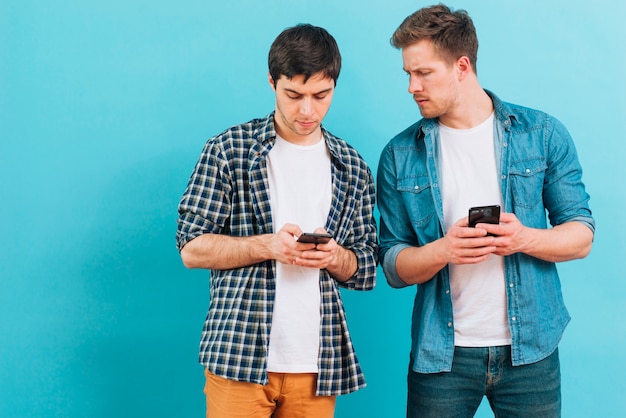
228, 193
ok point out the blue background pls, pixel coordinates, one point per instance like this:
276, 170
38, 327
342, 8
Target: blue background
104, 108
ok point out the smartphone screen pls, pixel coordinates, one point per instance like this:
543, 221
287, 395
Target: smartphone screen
484, 214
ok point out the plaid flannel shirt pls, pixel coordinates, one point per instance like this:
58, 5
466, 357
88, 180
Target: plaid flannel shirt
228, 193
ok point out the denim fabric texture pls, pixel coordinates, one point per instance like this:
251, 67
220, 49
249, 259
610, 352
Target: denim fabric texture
532, 390
540, 174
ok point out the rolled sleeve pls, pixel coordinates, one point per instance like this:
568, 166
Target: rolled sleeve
365, 276
190, 226
205, 206
366, 253
588, 222
389, 266
357, 227
564, 192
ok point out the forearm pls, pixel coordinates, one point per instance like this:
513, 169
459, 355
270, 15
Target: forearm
222, 252
568, 241
344, 265
415, 265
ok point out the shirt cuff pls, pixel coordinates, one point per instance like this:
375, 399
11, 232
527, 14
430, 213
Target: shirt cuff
389, 266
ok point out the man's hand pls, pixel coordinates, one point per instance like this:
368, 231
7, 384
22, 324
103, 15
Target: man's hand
317, 255
465, 245
564, 242
460, 245
283, 245
511, 236
221, 252
340, 262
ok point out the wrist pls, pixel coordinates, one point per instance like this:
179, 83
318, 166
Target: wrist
344, 265
260, 246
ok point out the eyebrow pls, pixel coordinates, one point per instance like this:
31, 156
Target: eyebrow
314, 94
416, 69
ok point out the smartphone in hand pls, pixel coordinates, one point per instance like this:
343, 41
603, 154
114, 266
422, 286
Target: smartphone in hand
312, 238
484, 214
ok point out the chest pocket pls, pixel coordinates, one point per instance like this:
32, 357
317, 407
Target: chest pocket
527, 182
418, 200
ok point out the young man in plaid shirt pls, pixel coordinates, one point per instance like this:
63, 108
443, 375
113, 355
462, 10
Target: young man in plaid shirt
275, 341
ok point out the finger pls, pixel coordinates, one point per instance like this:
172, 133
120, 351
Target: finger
473, 260
293, 229
305, 247
467, 232
507, 217
314, 254
461, 222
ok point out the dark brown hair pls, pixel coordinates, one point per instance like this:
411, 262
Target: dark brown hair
304, 50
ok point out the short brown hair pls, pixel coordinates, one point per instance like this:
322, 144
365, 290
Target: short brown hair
452, 32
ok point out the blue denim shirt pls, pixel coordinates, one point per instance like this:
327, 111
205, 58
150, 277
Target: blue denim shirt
539, 173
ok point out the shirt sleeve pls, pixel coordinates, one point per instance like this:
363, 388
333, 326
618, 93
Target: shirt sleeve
564, 193
205, 205
396, 232
364, 242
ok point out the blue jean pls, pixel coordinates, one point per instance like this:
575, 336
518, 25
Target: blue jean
532, 390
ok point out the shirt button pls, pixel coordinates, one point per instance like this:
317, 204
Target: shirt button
503, 177
505, 144
449, 324
416, 187
528, 170
514, 318
447, 292
511, 285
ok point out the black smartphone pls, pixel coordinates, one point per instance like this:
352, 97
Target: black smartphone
484, 214
312, 238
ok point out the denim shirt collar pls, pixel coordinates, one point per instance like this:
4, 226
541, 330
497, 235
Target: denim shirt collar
503, 120
503, 115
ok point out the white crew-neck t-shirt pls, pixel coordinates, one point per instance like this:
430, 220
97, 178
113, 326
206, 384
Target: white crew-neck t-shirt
469, 178
300, 192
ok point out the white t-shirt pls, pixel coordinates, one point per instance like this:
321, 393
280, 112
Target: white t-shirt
300, 188
469, 178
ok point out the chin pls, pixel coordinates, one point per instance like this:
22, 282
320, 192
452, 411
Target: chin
430, 113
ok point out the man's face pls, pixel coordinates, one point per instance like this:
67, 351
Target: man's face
301, 107
432, 81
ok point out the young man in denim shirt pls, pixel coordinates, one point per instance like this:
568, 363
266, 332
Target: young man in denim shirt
488, 312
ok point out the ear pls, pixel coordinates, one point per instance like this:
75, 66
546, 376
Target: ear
271, 81
463, 67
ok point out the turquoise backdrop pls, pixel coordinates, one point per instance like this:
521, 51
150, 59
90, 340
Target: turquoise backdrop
104, 108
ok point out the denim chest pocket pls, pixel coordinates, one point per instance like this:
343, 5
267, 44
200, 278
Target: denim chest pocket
418, 200
527, 179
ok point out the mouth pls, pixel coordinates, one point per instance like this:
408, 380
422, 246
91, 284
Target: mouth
307, 124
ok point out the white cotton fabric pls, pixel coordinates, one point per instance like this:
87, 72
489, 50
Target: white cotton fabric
300, 193
470, 178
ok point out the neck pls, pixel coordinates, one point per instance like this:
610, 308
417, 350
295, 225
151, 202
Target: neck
474, 107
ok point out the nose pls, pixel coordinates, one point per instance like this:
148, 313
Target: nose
306, 107
415, 84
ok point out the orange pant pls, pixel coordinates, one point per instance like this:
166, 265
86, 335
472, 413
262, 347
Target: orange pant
287, 395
